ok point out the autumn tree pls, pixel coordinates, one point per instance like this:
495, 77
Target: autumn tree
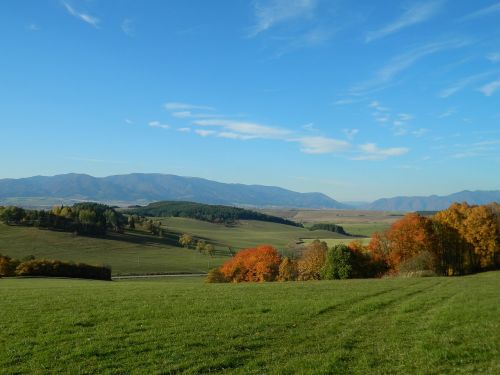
311, 262
185, 240
255, 264
287, 270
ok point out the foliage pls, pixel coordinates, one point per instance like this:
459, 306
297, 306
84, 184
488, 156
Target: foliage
216, 276
337, 263
81, 218
186, 240
255, 264
205, 212
287, 270
312, 260
57, 268
459, 240
329, 227
8, 266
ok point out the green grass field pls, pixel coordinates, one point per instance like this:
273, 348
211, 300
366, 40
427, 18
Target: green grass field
335, 241
388, 326
135, 253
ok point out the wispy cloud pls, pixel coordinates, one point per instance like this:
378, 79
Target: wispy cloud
350, 133
204, 133
401, 63
313, 38
128, 121
447, 113
158, 124
417, 13
493, 57
490, 88
482, 12
176, 106
85, 17
127, 27
462, 84
370, 151
320, 145
185, 130
246, 128
272, 12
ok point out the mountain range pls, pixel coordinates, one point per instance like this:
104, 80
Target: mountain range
143, 188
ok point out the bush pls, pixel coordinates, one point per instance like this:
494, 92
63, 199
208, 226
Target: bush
287, 270
424, 261
337, 263
312, 261
216, 276
8, 266
257, 264
56, 268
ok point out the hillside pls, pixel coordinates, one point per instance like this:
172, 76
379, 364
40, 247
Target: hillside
434, 202
144, 188
206, 212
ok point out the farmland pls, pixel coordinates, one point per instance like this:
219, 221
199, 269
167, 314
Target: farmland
139, 253
398, 326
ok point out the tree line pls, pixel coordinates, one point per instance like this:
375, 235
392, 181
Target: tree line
52, 268
81, 218
460, 240
205, 212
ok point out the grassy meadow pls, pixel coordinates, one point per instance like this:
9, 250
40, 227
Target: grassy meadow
384, 326
138, 253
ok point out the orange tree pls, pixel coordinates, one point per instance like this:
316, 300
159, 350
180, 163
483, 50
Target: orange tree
255, 264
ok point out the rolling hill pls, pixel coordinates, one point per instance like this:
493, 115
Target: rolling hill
145, 188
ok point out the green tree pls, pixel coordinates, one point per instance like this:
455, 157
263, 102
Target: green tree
185, 240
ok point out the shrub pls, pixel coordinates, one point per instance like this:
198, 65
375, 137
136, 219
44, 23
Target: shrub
256, 264
312, 260
216, 276
287, 270
56, 268
8, 266
337, 263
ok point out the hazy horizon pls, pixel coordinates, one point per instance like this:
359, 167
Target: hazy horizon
354, 100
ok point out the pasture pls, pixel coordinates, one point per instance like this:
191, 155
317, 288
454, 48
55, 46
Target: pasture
137, 253
385, 326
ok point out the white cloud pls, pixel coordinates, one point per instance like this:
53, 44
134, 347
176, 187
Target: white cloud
204, 133
320, 145
128, 121
87, 18
127, 27
246, 128
232, 135
370, 151
376, 105
175, 106
490, 88
482, 12
33, 27
273, 12
416, 14
494, 57
158, 124
185, 130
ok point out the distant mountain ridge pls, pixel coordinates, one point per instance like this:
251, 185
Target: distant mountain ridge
433, 202
144, 188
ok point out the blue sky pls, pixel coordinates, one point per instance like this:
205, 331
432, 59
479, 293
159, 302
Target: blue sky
358, 100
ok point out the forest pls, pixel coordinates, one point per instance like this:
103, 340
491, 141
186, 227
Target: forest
211, 213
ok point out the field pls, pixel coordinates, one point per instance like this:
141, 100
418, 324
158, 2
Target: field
335, 241
136, 253
387, 326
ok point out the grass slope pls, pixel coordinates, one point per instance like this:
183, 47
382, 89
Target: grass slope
389, 326
138, 254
